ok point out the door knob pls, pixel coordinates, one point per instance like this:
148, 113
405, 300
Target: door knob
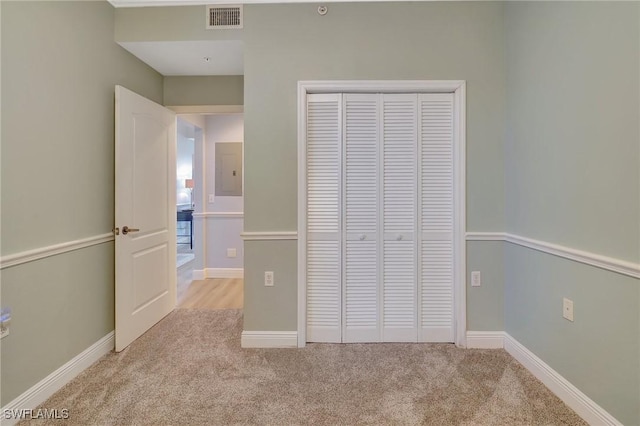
399, 237
362, 237
126, 230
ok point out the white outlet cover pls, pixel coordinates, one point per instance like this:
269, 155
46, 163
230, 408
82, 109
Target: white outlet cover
268, 279
231, 252
567, 309
211, 198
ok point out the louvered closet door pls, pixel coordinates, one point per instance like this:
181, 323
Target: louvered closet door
399, 134
324, 141
436, 217
361, 181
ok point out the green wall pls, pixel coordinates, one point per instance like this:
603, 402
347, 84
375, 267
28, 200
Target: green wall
572, 125
553, 92
572, 165
167, 24
59, 68
204, 90
424, 41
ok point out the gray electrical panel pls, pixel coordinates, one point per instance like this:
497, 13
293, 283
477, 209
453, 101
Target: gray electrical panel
229, 169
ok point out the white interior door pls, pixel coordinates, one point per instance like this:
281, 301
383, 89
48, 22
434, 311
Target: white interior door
145, 218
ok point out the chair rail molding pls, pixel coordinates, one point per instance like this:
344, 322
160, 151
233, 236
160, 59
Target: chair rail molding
619, 266
269, 235
52, 250
219, 215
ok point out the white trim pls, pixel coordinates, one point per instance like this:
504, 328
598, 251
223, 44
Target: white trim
486, 236
42, 252
46, 387
584, 406
593, 259
382, 86
201, 274
269, 339
459, 212
485, 339
302, 216
219, 215
270, 235
207, 109
604, 262
458, 88
157, 3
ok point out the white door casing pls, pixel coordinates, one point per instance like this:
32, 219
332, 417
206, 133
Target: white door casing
145, 191
414, 213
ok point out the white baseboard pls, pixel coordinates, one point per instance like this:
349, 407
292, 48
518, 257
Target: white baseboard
586, 408
201, 274
46, 387
485, 339
269, 339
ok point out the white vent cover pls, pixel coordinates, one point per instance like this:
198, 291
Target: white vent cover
221, 16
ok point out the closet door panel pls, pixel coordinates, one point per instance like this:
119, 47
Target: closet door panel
360, 272
324, 141
399, 192
436, 217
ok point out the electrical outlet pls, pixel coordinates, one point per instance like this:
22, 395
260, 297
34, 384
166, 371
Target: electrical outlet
211, 198
4, 332
231, 252
567, 309
268, 279
476, 279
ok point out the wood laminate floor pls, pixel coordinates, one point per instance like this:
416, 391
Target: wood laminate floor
213, 293
224, 293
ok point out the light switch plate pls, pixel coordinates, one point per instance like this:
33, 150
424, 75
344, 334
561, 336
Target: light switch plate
476, 279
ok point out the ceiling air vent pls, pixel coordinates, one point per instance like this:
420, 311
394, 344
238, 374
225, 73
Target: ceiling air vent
220, 17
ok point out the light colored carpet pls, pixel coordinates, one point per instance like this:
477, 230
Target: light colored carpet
190, 369
184, 258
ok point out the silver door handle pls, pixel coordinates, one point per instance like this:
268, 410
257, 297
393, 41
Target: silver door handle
126, 230
362, 237
399, 237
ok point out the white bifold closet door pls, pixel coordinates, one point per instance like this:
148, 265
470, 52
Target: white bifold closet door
380, 218
324, 240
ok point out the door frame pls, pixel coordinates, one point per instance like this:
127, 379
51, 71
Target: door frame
201, 211
458, 89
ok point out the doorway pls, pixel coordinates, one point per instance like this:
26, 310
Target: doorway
187, 130
212, 194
